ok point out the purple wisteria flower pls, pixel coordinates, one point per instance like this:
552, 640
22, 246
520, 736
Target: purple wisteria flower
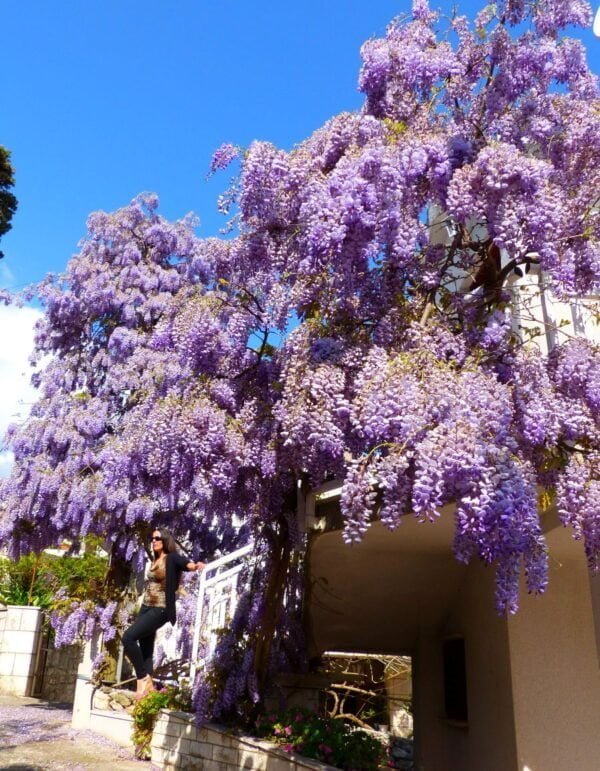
356, 325
223, 156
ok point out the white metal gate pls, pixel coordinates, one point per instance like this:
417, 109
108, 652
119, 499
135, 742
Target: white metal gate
218, 594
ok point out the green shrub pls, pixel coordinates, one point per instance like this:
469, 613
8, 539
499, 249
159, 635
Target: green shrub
325, 739
24, 582
145, 712
35, 579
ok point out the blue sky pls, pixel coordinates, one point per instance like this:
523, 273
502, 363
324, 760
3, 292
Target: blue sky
102, 99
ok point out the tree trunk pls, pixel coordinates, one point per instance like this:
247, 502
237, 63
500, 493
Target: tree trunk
275, 594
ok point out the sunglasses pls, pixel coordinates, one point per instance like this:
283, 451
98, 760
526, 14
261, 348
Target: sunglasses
156, 538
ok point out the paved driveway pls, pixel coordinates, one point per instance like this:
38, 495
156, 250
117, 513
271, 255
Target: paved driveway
37, 736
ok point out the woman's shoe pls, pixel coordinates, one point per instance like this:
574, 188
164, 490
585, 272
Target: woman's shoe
147, 686
139, 688
144, 686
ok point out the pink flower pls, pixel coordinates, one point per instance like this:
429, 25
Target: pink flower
287, 747
287, 730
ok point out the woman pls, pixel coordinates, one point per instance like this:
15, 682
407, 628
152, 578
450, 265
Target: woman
158, 606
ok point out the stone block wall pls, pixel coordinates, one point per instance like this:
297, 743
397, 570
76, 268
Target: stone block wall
20, 633
60, 673
178, 745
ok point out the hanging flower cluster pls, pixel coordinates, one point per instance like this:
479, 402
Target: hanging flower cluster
76, 622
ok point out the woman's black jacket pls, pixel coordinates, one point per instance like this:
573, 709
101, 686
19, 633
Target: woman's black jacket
176, 563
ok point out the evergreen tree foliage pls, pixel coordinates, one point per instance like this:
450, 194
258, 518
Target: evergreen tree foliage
8, 202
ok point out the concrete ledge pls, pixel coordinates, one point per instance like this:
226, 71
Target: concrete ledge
113, 725
82, 703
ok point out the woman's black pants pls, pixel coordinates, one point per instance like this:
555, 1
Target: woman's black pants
138, 640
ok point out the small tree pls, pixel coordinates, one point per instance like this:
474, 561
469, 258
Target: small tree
8, 202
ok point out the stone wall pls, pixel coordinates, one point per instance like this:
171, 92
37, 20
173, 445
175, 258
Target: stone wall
20, 637
178, 745
60, 673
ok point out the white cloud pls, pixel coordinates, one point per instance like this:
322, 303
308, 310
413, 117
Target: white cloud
17, 394
7, 277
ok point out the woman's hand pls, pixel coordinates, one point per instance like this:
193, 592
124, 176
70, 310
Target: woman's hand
196, 565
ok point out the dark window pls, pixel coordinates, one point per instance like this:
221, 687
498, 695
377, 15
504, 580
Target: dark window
455, 679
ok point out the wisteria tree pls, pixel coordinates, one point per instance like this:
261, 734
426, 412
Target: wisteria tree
336, 335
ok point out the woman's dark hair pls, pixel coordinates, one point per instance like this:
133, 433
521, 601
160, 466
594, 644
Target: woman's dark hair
169, 543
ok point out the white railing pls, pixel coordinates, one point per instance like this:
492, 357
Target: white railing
218, 590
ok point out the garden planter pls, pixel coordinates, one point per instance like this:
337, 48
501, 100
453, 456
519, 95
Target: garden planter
178, 744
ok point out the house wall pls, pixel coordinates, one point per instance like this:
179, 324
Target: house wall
535, 307
375, 596
443, 745
555, 671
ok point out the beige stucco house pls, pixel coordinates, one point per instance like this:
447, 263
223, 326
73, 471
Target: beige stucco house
532, 681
